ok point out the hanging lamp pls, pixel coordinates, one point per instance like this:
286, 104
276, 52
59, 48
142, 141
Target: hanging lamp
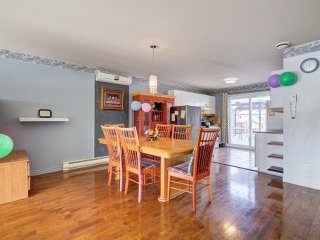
153, 79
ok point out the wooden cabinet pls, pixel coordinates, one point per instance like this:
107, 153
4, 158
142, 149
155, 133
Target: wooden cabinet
14, 177
160, 111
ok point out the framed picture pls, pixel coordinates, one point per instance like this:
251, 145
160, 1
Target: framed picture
112, 99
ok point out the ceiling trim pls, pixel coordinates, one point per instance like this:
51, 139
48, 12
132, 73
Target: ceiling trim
302, 49
4, 53
263, 86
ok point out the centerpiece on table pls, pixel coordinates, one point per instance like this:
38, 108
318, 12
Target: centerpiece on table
152, 135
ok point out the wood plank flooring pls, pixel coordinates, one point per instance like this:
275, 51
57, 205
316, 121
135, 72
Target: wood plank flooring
246, 205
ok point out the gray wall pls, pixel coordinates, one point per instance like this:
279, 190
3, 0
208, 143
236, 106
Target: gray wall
27, 87
108, 116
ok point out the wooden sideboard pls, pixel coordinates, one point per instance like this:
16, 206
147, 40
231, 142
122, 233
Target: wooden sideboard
14, 177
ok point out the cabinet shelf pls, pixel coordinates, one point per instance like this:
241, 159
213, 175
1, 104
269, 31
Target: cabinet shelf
278, 156
275, 143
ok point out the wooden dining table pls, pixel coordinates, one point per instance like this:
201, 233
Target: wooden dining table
171, 152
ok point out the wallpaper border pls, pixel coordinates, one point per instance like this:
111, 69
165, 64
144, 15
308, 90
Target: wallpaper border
4, 53
302, 49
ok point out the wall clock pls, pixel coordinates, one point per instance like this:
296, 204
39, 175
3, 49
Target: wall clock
309, 65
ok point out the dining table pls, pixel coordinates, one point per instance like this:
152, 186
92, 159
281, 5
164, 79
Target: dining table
170, 151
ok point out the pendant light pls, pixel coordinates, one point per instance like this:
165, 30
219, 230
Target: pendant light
153, 79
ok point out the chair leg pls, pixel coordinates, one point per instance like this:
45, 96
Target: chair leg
144, 179
110, 175
169, 187
140, 188
209, 189
127, 183
194, 196
121, 178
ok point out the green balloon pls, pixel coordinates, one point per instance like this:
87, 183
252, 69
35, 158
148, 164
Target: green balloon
6, 145
287, 79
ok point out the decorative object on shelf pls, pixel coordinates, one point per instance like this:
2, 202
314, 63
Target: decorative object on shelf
135, 105
287, 79
152, 135
6, 145
146, 107
153, 79
112, 99
44, 113
273, 81
309, 65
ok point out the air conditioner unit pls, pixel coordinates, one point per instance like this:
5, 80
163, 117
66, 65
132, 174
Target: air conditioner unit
111, 78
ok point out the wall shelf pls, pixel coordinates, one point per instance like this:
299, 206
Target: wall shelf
37, 119
279, 156
275, 143
276, 169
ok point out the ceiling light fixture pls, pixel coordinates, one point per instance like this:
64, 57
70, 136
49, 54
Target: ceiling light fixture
153, 79
230, 79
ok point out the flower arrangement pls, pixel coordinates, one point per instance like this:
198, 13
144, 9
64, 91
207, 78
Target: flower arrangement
152, 135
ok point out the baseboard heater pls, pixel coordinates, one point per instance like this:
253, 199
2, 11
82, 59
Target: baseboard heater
76, 164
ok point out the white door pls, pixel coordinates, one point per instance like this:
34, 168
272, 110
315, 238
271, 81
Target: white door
247, 113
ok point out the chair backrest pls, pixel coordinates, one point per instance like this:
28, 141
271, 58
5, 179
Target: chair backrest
181, 131
204, 150
113, 144
129, 142
114, 125
164, 130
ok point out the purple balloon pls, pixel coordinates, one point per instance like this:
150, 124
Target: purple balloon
273, 81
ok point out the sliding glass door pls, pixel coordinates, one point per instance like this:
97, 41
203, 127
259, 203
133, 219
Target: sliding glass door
247, 113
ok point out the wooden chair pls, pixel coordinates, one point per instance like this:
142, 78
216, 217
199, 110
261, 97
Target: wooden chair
135, 165
114, 125
115, 153
164, 130
197, 168
181, 131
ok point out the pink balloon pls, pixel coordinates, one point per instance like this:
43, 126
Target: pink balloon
146, 107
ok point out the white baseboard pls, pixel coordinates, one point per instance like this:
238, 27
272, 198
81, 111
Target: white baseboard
303, 183
45, 170
77, 164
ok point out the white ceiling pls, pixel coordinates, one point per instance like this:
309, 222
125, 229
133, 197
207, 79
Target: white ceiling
201, 42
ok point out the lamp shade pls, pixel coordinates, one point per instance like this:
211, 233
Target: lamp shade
153, 81
153, 84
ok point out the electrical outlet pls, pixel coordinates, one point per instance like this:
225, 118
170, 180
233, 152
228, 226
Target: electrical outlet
306, 167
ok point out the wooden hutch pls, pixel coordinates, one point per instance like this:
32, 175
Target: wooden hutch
160, 111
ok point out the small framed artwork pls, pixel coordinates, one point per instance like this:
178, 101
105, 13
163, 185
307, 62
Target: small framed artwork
44, 113
112, 99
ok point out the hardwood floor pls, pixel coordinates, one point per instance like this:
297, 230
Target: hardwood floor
80, 205
235, 157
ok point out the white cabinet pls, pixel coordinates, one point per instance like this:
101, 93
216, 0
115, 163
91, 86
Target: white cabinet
206, 102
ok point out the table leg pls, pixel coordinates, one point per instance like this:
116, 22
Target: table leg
163, 180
